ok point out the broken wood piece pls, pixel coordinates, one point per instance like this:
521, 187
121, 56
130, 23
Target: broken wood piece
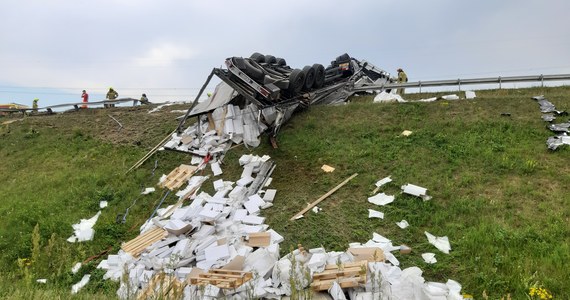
370, 254
225, 279
346, 275
120, 125
137, 245
323, 197
327, 168
259, 239
150, 153
178, 176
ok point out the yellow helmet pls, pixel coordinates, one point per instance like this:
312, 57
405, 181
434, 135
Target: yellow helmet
36, 100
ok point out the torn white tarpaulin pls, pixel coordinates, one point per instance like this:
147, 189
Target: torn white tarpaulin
441, 243
83, 231
381, 199
103, 204
388, 97
415, 190
429, 258
375, 214
403, 224
76, 287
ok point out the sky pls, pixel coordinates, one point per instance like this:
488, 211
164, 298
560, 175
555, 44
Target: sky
52, 50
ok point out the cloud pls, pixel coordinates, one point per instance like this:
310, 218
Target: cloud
165, 55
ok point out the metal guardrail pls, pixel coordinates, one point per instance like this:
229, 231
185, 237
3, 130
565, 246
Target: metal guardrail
488, 80
76, 105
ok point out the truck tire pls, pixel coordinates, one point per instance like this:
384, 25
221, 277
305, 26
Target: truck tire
296, 82
309, 77
258, 57
319, 76
253, 70
270, 59
280, 62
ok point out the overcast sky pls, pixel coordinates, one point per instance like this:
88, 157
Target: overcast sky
53, 49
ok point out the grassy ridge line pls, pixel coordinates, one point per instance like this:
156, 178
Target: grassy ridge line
493, 181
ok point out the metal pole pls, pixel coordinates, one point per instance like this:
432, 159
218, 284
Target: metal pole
500, 85
541, 80
459, 83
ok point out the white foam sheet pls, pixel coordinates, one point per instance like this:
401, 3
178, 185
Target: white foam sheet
216, 169
415, 190
383, 181
440, 242
403, 224
76, 287
429, 257
336, 292
375, 214
381, 199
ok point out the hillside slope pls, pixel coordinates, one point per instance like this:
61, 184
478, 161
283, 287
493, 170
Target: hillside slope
498, 193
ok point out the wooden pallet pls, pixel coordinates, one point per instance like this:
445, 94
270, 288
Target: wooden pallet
137, 245
178, 177
349, 275
225, 279
162, 286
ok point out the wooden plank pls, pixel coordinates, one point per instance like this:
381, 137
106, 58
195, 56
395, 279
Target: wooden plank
141, 242
323, 197
349, 275
259, 239
222, 278
178, 176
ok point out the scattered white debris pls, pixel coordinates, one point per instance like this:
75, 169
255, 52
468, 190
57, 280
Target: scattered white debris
216, 169
441, 243
403, 224
383, 181
327, 168
41, 280
103, 204
388, 97
429, 258
336, 292
375, 214
428, 99
76, 268
450, 97
415, 190
149, 190
76, 287
316, 209
83, 231
406, 133
470, 95
381, 199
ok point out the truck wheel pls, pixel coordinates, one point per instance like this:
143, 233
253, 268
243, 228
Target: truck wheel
280, 62
319, 76
253, 70
309, 77
270, 59
258, 57
296, 82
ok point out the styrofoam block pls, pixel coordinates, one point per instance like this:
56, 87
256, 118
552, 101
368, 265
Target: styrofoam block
269, 195
253, 220
375, 214
240, 214
255, 198
217, 252
218, 184
251, 206
216, 169
276, 238
204, 243
244, 181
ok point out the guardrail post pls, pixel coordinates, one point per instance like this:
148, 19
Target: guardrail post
459, 83
541, 80
500, 85
420, 85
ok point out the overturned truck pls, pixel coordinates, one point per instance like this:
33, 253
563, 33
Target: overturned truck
260, 93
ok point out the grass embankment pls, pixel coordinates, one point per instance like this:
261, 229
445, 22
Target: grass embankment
498, 193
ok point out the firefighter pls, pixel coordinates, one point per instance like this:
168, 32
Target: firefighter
144, 99
111, 95
402, 78
35, 104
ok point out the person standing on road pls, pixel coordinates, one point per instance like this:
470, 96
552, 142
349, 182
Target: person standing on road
84, 98
111, 95
35, 104
402, 78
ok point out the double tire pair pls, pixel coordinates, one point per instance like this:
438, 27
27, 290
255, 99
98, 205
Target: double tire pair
310, 77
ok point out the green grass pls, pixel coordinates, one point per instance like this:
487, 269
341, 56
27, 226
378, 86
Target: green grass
498, 193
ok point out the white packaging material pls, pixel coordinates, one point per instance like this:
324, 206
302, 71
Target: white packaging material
441, 243
429, 258
403, 224
375, 214
76, 287
381, 199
